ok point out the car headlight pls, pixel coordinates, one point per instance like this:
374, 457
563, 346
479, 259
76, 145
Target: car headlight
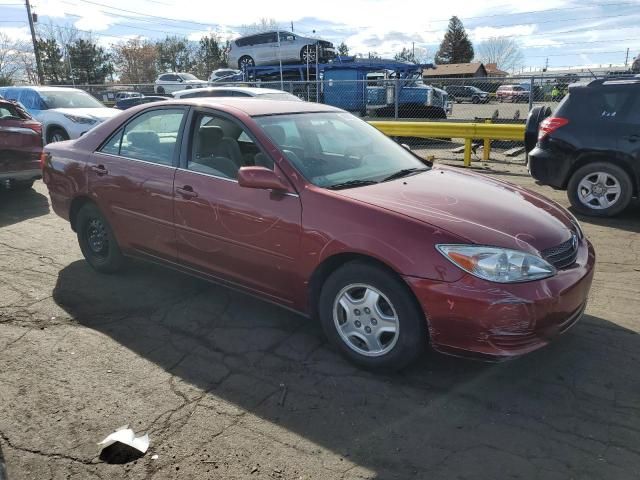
496, 264
78, 119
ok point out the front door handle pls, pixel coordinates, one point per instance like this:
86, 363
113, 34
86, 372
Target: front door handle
633, 138
187, 191
99, 169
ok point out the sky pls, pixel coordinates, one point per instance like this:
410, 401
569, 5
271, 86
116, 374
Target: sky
560, 33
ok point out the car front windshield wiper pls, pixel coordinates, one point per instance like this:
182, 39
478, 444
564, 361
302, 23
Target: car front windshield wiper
405, 172
351, 183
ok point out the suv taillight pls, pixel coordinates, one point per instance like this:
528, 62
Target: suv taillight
550, 125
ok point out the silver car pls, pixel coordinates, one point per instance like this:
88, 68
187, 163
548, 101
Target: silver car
262, 49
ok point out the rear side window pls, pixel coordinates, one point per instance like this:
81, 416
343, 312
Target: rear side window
151, 137
589, 105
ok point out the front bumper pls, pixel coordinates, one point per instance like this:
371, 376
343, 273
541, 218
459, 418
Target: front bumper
476, 318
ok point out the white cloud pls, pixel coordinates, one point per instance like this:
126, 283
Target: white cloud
17, 33
482, 33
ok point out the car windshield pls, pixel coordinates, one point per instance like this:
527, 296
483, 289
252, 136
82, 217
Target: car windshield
475, 89
278, 96
188, 76
69, 99
332, 150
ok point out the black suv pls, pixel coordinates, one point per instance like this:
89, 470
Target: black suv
590, 146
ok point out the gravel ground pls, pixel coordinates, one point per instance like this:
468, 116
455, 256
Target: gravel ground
230, 387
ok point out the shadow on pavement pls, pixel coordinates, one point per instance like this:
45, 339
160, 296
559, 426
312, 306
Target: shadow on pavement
568, 411
17, 206
628, 220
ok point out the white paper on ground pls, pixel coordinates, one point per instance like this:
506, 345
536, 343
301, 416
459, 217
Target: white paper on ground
125, 435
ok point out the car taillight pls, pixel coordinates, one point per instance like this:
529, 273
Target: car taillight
550, 125
44, 156
36, 127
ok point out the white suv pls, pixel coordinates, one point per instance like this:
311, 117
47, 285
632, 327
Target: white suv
65, 113
172, 82
264, 49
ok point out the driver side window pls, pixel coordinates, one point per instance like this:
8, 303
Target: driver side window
220, 147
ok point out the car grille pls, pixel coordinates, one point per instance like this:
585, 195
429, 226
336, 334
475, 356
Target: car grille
563, 255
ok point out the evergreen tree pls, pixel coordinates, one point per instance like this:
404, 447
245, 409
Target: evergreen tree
53, 68
406, 55
90, 64
343, 49
456, 46
211, 55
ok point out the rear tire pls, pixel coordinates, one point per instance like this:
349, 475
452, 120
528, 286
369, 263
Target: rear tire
97, 241
245, 62
371, 317
600, 189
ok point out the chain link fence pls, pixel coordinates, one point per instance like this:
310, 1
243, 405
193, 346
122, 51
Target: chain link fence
491, 99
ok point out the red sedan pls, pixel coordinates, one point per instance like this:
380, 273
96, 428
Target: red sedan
20, 147
310, 207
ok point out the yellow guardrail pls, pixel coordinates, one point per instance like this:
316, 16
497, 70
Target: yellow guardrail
469, 131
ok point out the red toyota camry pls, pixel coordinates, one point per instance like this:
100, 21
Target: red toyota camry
309, 207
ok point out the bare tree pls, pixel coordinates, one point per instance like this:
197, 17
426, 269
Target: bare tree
10, 65
263, 25
503, 51
135, 60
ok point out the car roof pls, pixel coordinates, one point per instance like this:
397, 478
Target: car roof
250, 90
253, 107
48, 89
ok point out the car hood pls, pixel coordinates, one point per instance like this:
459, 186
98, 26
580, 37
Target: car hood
474, 207
101, 114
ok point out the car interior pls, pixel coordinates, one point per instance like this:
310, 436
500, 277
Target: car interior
220, 147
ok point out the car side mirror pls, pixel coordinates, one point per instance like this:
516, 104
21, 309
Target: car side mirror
262, 178
181, 80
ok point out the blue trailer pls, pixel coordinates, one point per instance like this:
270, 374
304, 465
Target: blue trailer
374, 87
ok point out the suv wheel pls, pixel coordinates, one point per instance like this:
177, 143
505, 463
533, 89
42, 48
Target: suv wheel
371, 317
600, 189
308, 53
57, 135
475, 99
245, 62
97, 242
160, 90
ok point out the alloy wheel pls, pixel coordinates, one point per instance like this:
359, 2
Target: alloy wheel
308, 55
599, 190
365, 320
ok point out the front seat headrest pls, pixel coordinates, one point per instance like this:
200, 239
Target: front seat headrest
277, 134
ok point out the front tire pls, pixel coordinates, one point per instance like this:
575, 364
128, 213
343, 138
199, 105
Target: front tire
97, 241
600, 189
308, 53
57, 135
371, 317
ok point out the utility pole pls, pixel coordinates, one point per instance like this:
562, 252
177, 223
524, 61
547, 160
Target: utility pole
36, 52
626, 59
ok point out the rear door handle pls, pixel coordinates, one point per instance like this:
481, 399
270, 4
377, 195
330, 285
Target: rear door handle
187, 191
99, 169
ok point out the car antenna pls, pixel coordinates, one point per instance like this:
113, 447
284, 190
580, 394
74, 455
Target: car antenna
592, 74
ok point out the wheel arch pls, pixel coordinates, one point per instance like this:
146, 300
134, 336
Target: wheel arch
592, 157
333, 263
76, 204
53, 126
